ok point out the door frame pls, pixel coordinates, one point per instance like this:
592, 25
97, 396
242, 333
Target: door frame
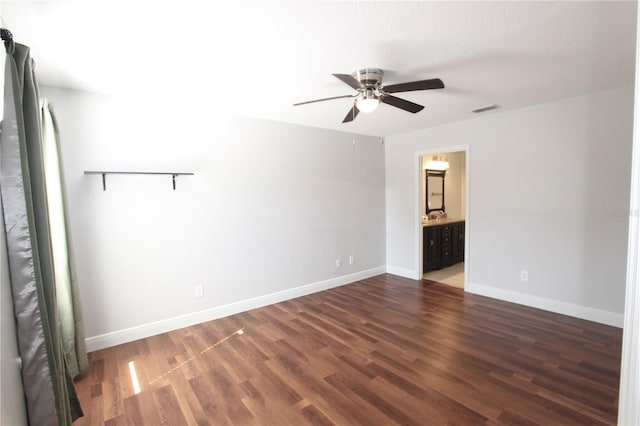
628, 411
419, 196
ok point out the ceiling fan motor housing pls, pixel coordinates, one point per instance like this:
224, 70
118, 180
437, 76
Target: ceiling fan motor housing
369, 77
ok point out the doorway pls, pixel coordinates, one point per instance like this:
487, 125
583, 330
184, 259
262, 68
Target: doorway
443, 256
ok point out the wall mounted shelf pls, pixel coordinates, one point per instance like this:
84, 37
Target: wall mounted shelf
104, 174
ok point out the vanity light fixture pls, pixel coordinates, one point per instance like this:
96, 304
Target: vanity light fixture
437, 162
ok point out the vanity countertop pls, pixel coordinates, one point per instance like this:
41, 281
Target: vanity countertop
436, 222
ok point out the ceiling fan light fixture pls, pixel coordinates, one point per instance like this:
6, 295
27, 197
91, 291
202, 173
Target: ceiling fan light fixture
368, 102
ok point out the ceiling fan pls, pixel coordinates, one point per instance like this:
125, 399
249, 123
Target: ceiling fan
368, 83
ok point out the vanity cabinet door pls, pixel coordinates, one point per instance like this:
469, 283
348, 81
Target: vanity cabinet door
432, 248
457, 242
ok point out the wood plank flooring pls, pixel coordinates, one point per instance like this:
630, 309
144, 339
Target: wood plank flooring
381, 351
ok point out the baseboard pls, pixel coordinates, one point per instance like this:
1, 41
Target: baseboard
145, 330
577, 311
402, 272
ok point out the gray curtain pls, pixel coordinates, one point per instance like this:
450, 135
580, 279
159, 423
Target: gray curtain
68, 308
42, 329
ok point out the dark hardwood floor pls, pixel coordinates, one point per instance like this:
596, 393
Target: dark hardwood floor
382, 351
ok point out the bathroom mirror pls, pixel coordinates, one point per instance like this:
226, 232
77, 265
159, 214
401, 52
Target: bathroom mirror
434, 190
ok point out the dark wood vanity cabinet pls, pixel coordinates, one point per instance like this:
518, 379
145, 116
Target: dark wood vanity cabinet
443, 245
457, 242
432, 251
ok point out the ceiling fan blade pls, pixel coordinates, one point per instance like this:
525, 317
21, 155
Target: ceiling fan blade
433, 83
324, 99
350, 80
401, 103
352, 114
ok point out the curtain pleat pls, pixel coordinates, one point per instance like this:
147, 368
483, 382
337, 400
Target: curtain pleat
68, 308
50, 394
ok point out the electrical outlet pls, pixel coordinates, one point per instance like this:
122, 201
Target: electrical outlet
198, 292
338, 263
351, 260
524, 275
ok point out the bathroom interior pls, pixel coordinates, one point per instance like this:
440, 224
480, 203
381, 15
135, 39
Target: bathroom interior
443, 207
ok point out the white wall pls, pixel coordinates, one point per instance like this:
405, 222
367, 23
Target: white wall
548, 194
455, 185
269, 210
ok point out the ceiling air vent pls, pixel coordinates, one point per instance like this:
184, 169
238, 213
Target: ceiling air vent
485, 108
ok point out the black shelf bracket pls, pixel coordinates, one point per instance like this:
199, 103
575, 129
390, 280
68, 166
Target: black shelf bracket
104, 174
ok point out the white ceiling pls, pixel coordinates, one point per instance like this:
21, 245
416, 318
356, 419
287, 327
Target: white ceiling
258, 58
